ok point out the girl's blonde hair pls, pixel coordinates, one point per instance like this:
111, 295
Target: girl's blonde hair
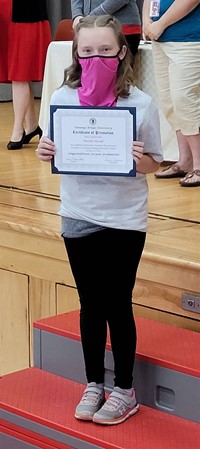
125, 76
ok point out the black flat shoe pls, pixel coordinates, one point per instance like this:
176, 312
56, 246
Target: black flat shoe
16, 145
34, 133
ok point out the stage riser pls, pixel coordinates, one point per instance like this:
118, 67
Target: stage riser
44, 431
37, 408
13, 437
7, 442
161, 388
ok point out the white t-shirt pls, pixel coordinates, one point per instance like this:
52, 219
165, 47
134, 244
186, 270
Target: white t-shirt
113, 201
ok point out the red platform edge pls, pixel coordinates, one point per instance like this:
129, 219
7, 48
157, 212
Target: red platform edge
157, 343
30, 437
50, 400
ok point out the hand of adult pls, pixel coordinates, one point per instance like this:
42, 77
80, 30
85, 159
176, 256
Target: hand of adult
145, 28
154, 30
75, 21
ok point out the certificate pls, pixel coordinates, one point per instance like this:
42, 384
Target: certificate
93, 140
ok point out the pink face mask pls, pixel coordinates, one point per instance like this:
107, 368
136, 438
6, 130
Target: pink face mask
98, 80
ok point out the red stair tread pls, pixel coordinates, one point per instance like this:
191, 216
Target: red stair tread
30, 437
158, 343
50, 400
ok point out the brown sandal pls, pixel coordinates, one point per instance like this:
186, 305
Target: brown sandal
176, 172
185, 183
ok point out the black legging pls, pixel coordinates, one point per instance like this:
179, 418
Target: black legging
104, 265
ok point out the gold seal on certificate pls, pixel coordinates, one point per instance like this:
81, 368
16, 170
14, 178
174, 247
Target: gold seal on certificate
93, 141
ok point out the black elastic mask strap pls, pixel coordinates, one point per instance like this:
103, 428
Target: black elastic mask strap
101, 56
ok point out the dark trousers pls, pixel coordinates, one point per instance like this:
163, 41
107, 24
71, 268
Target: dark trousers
133, 42
104, 265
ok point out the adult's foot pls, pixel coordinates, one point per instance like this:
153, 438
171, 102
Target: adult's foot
36, 132
192, 179
16, 145
171, 171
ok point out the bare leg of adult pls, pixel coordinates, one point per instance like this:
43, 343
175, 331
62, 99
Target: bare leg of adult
21, 97
184, 163
194, 142
192, 179
30, 117
185, 160
32, 127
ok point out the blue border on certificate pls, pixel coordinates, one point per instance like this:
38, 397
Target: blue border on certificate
55, 170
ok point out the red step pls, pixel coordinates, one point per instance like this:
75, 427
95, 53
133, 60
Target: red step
38, 405
166, 371
10, 436
158, 343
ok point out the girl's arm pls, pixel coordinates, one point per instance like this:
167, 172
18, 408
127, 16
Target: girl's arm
144, 162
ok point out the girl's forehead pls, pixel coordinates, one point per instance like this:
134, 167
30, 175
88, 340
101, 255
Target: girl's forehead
96, 35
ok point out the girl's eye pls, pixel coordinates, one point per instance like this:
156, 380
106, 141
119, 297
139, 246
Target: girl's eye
86, 50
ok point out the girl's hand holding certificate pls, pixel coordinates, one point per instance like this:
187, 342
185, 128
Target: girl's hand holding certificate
137, 151
46, 149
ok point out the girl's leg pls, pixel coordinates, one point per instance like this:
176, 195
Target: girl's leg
85, 257
104, 266
124, 256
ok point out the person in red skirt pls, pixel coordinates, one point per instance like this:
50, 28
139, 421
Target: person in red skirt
25, 36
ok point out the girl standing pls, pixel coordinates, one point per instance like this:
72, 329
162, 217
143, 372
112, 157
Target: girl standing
104, 218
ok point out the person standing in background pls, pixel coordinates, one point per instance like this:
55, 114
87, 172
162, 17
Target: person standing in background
127, 12
174, 29
27, 31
